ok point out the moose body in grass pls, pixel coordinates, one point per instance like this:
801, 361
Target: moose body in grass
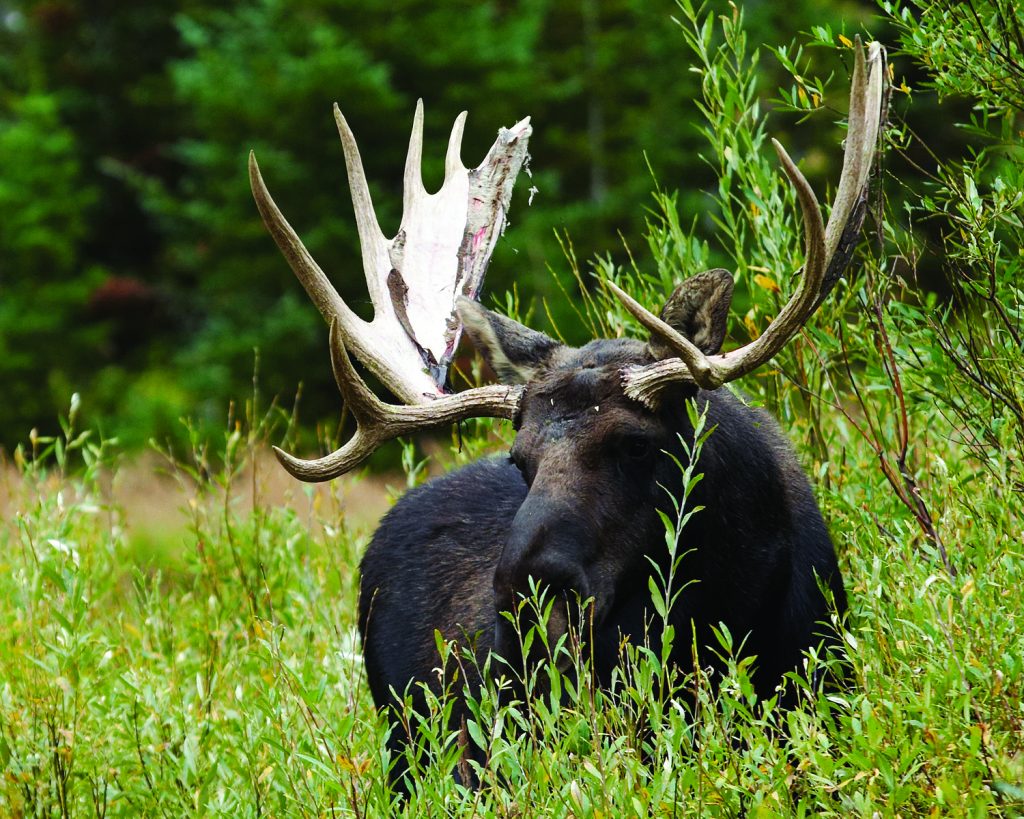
573, 509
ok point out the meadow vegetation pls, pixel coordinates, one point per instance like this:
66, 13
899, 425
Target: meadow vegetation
224, 676
215, 668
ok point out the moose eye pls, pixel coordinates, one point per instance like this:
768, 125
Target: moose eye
635, 447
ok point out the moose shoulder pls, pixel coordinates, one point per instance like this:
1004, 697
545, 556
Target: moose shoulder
574, 506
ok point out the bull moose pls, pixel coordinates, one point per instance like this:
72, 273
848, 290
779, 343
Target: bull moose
573, 507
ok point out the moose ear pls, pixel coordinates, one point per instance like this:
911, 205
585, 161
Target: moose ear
514, 352
699, 309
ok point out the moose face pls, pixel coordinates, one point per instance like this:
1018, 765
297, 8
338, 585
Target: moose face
592, 458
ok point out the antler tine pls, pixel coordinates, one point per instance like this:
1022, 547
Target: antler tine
413, 183
861, 133
365, 407
307, 271
801, 303
371, 239
820, 244
453, 159
377, 422
359, 398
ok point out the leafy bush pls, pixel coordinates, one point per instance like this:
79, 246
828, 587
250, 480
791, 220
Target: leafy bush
223, 676
969, 362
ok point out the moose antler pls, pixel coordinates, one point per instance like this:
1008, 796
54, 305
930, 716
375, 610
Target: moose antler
440, 253
378, 422
827, 250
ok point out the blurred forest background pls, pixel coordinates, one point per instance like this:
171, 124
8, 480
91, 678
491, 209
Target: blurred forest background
134, 269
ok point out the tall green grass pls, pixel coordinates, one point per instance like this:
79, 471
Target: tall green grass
231, 683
